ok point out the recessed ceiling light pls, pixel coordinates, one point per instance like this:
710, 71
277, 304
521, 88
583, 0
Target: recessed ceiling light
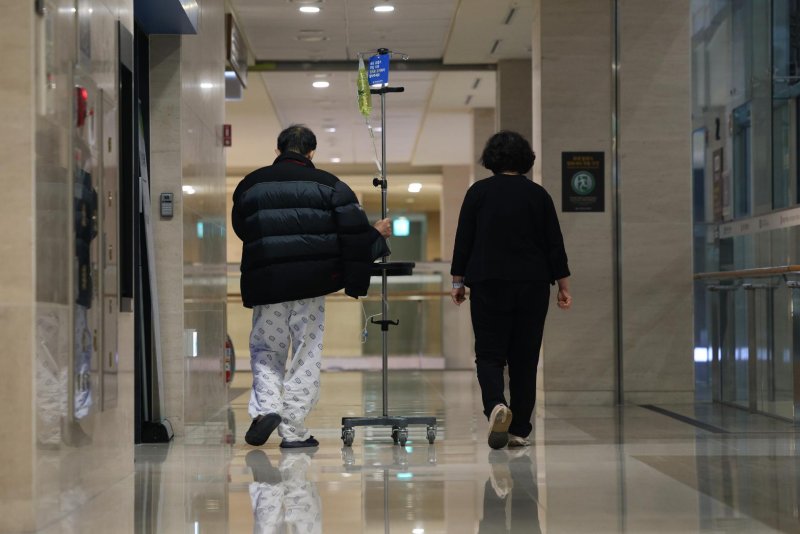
414, 187
321, 84
311, 38
206, 85
383, 9
309, 9
330, 129
189, 190
336, 160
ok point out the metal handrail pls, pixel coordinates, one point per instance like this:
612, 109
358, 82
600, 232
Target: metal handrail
759, 272
395, 295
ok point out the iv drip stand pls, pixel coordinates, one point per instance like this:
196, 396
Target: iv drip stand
386, 268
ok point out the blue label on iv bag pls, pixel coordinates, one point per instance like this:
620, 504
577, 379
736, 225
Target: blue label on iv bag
378, 69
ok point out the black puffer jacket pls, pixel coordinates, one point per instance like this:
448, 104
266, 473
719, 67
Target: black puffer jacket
304, 234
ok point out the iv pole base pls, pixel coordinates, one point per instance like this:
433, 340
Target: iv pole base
399, 427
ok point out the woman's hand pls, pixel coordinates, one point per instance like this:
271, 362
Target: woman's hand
459, 295
564, 298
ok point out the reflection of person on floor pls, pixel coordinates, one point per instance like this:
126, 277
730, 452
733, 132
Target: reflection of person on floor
283, 498
85, 232
510, 497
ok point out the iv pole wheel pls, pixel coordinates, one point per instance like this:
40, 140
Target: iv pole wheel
348, 435
396, 434
402, 436
431, 434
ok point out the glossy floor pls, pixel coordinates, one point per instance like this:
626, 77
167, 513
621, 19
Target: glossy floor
590, 469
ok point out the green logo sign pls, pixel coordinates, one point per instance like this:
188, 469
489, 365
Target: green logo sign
583, 183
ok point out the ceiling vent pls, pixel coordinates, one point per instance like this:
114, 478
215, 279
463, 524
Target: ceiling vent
311, 36
510, 16
494, 46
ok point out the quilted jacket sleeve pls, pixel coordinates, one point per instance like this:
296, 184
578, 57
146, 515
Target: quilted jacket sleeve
360, 243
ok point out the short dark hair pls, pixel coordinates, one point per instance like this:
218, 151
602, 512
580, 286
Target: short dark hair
297, 138
507, 151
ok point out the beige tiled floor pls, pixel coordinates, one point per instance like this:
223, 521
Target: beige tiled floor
591, 470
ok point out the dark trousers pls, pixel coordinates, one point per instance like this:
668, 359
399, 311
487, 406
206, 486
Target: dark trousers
508, 321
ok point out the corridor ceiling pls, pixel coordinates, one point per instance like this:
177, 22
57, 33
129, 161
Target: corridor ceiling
429, 124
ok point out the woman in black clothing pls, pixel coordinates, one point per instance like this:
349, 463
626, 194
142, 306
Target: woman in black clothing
508, 250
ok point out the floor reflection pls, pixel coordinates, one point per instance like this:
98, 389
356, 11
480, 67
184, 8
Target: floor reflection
283, 498
590, 470
510, 495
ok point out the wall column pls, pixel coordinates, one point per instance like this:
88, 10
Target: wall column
514, 102
17, 271
457, 339
483, 126
656, 201
575, 111
166, 177
652, 272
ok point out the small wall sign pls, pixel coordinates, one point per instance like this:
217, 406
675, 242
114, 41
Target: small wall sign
583, 181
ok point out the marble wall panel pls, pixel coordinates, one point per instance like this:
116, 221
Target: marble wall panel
49, 468
484, 125
656, 199
578, 360
75, 459
514, 102
17, 270
205, 213
457, 336
166, 169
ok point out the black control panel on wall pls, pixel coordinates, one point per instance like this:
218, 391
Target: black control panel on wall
40, 8
167, 205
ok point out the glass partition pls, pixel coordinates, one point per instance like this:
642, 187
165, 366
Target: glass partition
417, 301
745, 89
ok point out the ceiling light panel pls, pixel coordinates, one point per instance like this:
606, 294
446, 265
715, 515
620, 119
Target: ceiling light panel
296, 101
419, 29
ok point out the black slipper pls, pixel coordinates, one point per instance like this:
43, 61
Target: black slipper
261, 428
310, 442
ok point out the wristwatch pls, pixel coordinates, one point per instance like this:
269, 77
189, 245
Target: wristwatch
458, 285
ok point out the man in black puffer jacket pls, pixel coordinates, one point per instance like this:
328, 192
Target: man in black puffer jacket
305, 236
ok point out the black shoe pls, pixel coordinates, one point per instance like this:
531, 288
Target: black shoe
262, 468
310, 442
261, 428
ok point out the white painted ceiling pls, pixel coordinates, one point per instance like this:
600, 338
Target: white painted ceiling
428, 124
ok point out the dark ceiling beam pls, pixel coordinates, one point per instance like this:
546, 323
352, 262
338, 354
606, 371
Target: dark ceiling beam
417, 65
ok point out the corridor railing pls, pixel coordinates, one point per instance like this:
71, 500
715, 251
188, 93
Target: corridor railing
418, 301
754, 335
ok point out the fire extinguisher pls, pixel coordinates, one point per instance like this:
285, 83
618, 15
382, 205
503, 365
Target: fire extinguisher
230, 359
81, 105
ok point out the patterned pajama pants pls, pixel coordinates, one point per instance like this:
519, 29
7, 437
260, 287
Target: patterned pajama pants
290, 389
